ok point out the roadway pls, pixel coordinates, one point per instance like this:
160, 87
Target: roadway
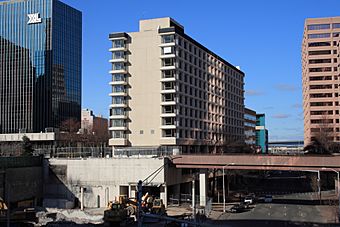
280, 213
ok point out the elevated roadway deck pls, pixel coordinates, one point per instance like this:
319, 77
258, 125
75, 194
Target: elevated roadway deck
259, 162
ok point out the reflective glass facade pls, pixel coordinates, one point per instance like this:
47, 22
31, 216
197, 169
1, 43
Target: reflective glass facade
40, 65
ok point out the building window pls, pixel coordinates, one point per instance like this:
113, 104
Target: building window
118, 43
168, 62
118, 134
118, 100
316, 36
118, 66
168, 50
336, 34
319, 52
314, 78
118, 88
318, 26
141, 132
168, 38
318, 61
118, 77
118, 55
152, 131
319, 44
336, 25
321, 86
117, 123
117, 111
168, 73
323, 69
169, 133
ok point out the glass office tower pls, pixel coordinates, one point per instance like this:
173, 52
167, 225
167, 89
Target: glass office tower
40, 65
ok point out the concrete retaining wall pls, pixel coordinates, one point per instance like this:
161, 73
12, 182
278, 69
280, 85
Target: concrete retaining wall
103, 179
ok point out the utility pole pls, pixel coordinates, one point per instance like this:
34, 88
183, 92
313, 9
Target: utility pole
139, 199
223, 189
193, 198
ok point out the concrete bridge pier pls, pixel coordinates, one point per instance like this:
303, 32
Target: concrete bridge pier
203, 182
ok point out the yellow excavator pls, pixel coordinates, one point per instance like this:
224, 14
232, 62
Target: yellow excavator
3, 209
119, 212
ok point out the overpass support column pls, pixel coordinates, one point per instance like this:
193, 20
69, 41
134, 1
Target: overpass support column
203, 188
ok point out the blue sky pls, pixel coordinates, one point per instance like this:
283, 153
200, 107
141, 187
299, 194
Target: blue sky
263, 37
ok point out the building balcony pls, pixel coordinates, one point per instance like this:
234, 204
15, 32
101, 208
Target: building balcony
123, 71
117, 60
118, 94
170, 67
168, 126
118, 49
118, 117
118, 128
167, 91
168, 115
168, 79
168, 56
168, 103
117, 105
119, 82
118, 142
167, 44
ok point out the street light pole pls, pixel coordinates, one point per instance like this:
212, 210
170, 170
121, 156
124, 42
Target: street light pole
224, 184
319, 185
223, 191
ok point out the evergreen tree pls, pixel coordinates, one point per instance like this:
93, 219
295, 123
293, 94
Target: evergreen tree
26, 146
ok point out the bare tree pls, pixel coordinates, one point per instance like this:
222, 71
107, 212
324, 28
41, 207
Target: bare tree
323, 139
69, 131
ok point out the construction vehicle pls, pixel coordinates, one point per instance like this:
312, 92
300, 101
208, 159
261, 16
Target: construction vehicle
18, 215
3, 209
115, 215
120, 212
158, 207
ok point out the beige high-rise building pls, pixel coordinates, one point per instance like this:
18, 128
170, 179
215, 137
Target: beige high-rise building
320, 78
170, 91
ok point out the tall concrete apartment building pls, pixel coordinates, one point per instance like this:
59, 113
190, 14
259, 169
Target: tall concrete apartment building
320, 78
40, 65
170, 91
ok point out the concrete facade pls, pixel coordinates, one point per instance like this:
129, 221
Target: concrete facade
103, 180
320, 79
169, 90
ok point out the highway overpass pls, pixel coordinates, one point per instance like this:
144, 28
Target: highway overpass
258, 162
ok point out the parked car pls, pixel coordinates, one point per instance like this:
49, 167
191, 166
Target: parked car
237, 208
268, 199
249, 200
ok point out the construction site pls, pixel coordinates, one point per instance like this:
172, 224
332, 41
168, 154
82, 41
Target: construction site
151, 190
40, 191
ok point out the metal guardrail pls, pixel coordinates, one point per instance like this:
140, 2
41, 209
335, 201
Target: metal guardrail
75, 152
148, 151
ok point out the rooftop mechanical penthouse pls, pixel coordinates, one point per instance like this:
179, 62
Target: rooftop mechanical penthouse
170, 91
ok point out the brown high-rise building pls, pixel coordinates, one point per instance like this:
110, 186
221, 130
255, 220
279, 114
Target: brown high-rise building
320, 78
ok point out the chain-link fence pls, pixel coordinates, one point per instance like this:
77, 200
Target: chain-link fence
75, 152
